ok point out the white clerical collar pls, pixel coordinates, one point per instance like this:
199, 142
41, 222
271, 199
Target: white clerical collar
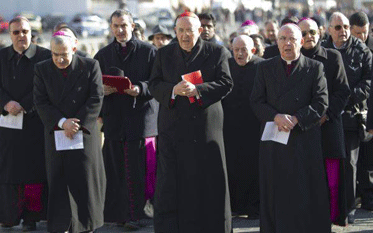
288, 62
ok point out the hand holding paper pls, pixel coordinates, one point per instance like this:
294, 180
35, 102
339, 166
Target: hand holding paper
285, 122
13, 107
272, 133
71, 127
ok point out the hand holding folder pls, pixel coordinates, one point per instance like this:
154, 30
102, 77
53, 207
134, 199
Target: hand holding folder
119, 82
194, 78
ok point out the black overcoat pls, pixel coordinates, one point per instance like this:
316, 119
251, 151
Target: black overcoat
127, 119
124, 119
293, 188
338, 93
192, 192
76, 178
357, 60
241, 138
22, 151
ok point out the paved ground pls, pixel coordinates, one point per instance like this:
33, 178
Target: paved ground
364, 223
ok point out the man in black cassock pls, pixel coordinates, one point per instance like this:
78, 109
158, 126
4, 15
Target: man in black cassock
331, 123
357, 60
242, 130
291, 91
192, 190
22, 167
68, 95
130, 125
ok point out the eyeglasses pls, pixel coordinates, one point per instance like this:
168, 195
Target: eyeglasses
17, 32
284, 39
312, 32
339, 27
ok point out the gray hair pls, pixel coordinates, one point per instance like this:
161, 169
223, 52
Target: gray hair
63, 40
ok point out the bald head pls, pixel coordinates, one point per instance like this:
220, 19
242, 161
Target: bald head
337, 16
339, 28
243, 49
310, 33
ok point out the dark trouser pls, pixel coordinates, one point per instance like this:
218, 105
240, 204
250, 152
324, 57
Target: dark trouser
26, 201
352, 143
127, 179
365, 173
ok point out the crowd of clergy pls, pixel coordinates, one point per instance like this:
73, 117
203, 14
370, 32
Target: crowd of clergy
276, 126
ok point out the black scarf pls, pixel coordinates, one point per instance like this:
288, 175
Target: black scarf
311, 52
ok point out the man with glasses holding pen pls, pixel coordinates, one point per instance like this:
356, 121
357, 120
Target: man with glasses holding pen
357, 60
22, 167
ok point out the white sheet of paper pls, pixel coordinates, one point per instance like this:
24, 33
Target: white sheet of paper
271, 133
65, 143
11, 121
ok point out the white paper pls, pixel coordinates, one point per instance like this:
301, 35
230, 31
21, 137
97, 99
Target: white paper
11, 121
65, 143
271, 133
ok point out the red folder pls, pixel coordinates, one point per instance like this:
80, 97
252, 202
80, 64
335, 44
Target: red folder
121, 83
195, 78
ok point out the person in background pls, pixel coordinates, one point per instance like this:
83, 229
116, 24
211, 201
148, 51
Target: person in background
259, 44
357, 60
230, 40
139, 32
22, 158
248, 28
160, 36
208, 23
331, 123
240, 123
271, 29
359, 22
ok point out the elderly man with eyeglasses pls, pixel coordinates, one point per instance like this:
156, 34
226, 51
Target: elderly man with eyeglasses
290, 95
357, 60
22, 167
331, 122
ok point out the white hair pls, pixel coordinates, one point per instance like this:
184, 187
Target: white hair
246, 39
293, 27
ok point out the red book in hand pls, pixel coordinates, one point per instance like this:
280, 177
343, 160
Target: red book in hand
194, 78
121, 83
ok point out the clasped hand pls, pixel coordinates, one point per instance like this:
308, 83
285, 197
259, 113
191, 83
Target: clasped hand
71, 127
185, 88
285, 122
13, 107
